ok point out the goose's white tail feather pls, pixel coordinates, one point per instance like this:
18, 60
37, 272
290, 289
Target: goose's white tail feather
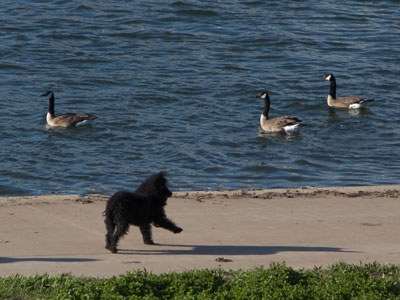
291, 127
360, 104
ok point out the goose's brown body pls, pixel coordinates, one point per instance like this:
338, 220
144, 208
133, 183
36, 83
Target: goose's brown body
278, 124
344, 102
64, 120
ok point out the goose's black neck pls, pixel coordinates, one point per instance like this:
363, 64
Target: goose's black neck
51, 104
266, 106
332, 91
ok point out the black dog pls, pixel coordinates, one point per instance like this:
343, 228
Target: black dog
141, 208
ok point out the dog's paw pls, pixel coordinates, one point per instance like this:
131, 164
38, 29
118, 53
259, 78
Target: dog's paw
148, 242
178, 230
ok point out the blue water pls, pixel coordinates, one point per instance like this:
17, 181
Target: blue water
173, 84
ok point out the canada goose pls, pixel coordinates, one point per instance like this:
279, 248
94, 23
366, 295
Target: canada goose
275, 124
348, 102
64, 120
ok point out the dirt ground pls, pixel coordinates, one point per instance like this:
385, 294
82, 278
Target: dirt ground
303, 227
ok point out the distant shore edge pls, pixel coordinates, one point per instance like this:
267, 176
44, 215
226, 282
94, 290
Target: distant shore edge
392, 191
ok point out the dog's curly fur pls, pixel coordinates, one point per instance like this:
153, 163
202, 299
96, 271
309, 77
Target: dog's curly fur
141, 208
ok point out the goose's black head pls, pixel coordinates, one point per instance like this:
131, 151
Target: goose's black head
48, 93
263, 94
329, 76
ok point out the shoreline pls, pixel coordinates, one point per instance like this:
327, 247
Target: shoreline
308, 192
231, 229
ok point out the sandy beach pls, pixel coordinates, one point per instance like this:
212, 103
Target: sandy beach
303, 227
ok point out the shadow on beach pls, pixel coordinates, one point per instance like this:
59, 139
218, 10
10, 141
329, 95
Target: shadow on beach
228, 250
7, 260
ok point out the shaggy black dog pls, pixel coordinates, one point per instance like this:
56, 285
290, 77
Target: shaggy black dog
141, 208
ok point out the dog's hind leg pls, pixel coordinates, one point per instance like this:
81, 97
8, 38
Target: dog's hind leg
145, 229
122, 229
110, 227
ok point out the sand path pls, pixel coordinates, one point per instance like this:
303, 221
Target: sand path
304, 227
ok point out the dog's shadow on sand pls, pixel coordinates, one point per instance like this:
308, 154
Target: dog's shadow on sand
227, 250
8, 260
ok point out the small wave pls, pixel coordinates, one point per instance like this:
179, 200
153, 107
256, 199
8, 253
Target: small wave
197, 13
264, 169
11, 67
254, 3
178, 3
83, 7
65, 36
11, 190
82, 61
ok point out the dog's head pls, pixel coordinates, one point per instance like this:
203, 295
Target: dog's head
156, 187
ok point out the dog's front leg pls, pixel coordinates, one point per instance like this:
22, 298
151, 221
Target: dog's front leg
145, 229
167, 224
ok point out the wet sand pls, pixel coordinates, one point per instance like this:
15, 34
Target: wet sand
243, 229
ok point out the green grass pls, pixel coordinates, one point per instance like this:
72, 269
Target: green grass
340, 281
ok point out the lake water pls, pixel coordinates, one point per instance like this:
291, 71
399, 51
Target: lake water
173, 84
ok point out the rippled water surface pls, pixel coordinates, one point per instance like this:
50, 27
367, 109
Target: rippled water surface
173, 84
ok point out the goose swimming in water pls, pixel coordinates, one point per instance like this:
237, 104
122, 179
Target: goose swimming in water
64, 120
278, 124
347, 102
